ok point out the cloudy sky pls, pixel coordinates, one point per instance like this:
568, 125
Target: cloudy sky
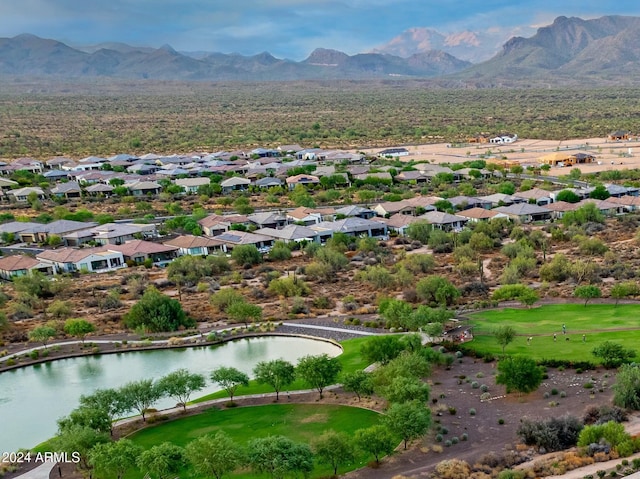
286, 28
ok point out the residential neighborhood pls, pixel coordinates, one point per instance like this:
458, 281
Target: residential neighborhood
70, 246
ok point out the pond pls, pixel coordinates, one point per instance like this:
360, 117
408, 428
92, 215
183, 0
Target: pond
33, 398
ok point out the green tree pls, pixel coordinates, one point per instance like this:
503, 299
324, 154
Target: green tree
381, 349
318, 371
599, 193
280, 251
162, 461
96, 419
437, 289
246, 254
108, 400
336, 260
42, 334
358, 382
113, 459
78, 439
214, 455
139, 396
243, 312
395, 312
277, 373
376, 440
588, 213
504, 335
278, 456
335, 449
78, 328
480, 242
409, 420
230, 379
403, 389
224, 298
627, 387
568, 196
612, 354
526, 295
624, 290
180, 384
157, 312
587, 292
35, 284
519, 373
420, 231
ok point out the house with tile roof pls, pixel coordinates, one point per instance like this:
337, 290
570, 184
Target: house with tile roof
21, 195
17, 265
290, 233
40, 233
191, 185
214, 224
91, 260
304, 180
138, 251
235, 238
444, 221
309, 216
67, 190
235, 183
480, 214
525, 212
268, 219
196, 245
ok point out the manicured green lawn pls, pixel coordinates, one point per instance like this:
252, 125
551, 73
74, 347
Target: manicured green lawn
599, 322
350, 360
300, 422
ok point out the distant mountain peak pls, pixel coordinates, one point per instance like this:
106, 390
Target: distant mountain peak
326, 57
466, 45
167, 48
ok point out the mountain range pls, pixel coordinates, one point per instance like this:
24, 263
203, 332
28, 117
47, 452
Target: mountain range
599, 51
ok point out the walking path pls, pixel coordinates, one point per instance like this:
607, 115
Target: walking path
331, 328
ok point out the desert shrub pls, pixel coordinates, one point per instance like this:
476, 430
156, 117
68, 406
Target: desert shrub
510, 474
603, 414
60, 309
225, 298
472, 411
453, 469
553, 434
289, 287
611, 433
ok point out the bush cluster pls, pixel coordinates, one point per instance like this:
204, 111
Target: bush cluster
553, 434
